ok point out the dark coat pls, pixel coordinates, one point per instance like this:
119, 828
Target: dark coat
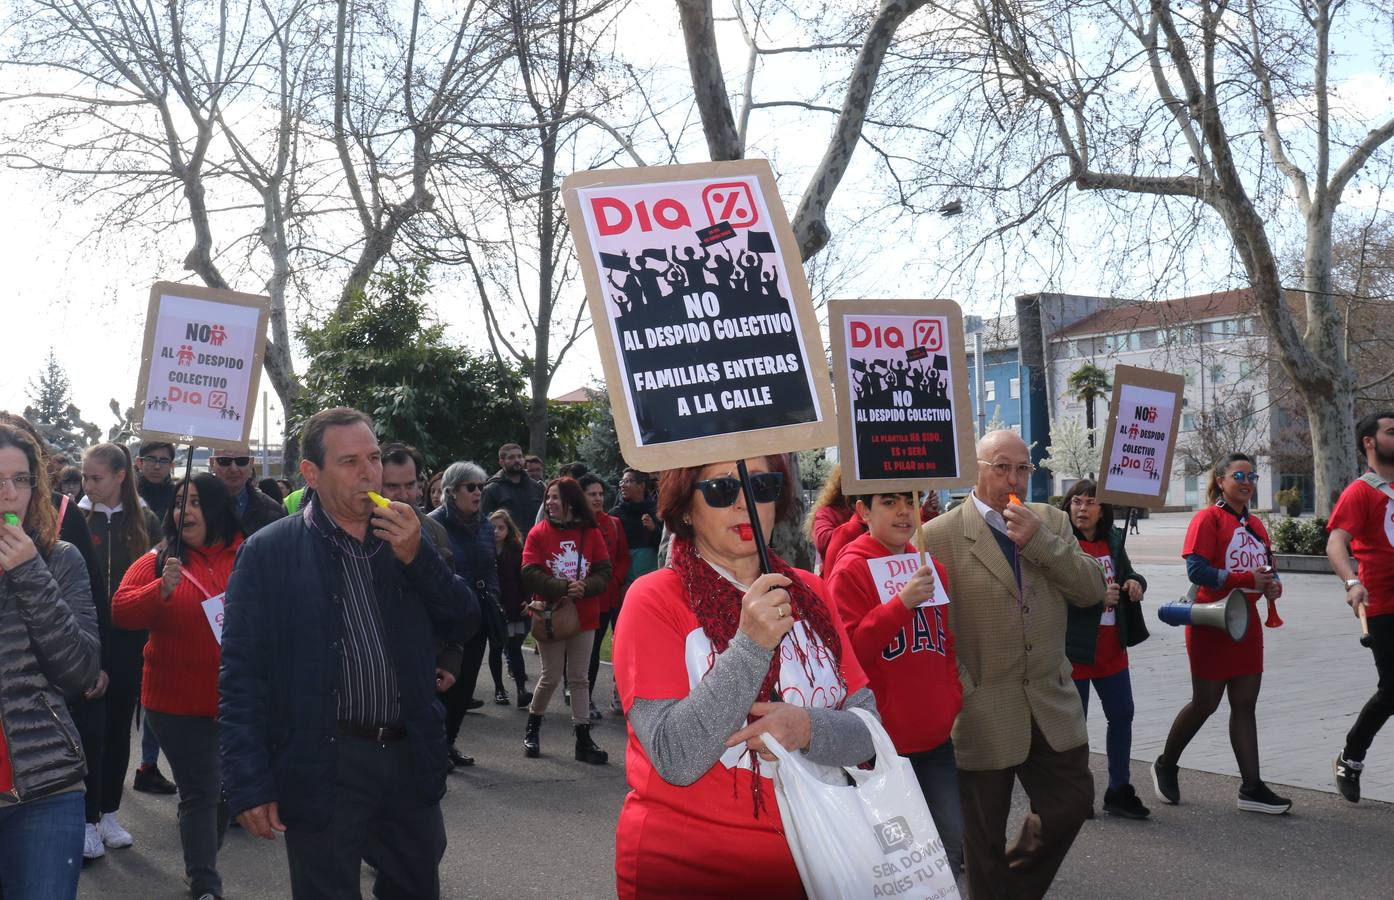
1082, 629
157, 496
280, 667
48, 650
472, 544
122, 650
522, 499
261, 511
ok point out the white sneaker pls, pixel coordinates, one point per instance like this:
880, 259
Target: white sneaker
92, 846
113, 835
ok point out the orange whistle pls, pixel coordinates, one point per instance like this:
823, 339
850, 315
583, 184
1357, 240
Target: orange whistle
1014, 498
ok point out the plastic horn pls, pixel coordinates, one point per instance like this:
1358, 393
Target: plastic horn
1230, 615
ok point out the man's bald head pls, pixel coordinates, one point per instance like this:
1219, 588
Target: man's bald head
1004, 463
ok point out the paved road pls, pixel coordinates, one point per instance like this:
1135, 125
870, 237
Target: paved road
1318, 676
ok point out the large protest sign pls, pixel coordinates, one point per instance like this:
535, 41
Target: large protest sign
1144, 418
201, 364
703, 318
902, 394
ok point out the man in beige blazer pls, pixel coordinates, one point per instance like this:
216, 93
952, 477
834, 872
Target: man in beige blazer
1012, 570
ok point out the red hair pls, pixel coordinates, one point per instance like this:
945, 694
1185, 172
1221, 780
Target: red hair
677, 490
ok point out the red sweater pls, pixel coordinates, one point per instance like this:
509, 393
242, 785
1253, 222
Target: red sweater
618, 546
907, 654
182, 656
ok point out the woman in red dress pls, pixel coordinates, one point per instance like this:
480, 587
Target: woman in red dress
1226, 548
698, 655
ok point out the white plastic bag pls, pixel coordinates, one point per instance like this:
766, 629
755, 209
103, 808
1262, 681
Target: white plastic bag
869, 840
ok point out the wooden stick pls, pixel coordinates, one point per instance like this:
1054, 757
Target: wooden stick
919, 528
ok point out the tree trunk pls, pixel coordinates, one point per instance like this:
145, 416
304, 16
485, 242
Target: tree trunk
708, 80
1328, 388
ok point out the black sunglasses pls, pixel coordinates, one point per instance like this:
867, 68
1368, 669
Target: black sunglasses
722, 492
470, 486
232, 460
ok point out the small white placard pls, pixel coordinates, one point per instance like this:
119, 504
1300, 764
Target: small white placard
213, 609
890, 574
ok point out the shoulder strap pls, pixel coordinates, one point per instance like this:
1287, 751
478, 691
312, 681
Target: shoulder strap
1378, 484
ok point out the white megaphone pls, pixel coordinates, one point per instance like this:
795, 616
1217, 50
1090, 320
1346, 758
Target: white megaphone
1230, 615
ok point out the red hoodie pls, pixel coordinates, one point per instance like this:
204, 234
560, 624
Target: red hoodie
182, 656
907, 654
618, 547
570, 554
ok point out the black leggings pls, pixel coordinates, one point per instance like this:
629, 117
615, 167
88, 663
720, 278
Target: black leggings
1380, 706
1243, 722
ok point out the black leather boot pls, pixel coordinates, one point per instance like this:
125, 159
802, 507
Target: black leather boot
532, 742
586, 750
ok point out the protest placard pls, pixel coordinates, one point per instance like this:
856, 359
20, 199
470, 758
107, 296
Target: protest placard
891, 574
1144, 418
902, 395
201, 365
706, 331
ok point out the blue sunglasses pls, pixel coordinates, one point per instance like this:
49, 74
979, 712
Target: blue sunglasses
1241, 477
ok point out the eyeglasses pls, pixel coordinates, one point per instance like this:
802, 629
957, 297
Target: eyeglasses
722, 492
1006, 469
232, 460
1241, 477
1083, 502
156, 460
471, 486
19, 482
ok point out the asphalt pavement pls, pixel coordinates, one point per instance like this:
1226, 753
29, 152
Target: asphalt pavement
545, 827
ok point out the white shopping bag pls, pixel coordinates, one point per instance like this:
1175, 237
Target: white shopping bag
872, 839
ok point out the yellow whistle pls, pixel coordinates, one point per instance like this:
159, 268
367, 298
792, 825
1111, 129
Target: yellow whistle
379, 499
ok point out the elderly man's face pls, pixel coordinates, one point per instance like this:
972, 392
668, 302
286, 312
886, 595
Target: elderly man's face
1004, 468
234, 467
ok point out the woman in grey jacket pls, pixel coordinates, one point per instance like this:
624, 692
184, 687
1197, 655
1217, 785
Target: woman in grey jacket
48, 649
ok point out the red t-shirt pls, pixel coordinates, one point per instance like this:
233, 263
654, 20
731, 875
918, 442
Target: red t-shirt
568, 553
1367, 515
907, 654
1218, 535
703, 839
1110, 656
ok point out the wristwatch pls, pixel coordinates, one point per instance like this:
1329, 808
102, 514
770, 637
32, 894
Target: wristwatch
1351, 582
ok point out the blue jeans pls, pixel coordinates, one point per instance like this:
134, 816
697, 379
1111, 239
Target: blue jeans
41, 847
1116, 696
191, 746
937, 774
149, 744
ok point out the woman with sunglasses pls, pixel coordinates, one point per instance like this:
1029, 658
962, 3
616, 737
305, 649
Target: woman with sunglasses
164, 593
472, 544
565, 561
1226, 548
49, 650
1097, 639
710, 656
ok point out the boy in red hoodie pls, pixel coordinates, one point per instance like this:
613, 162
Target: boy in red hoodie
899, 629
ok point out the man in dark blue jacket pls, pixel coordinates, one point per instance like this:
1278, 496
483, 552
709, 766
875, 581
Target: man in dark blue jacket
331, 730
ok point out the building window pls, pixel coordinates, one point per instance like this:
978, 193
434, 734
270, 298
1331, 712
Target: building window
1217, 374
1150, 339
1188, 422
1014, 386
1192, 492
990, 391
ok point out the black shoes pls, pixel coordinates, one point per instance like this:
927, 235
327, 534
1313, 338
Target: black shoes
532, 738
457, 759
1165, 784
524, 697
473, 704
1262, 800
501, 697
594, 713
150, 780
586, 750
1123, 801
1347, 776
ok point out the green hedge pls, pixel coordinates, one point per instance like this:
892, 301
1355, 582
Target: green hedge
1306, 536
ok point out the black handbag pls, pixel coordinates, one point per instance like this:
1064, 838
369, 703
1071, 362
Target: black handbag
493, 624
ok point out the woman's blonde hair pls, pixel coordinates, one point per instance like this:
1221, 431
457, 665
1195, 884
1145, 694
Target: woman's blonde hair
830, 495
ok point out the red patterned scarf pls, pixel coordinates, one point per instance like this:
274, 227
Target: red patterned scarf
716, 603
